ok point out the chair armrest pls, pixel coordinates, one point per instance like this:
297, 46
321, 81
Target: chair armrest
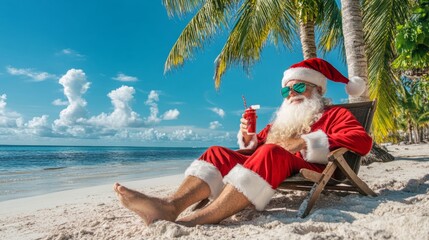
337, 153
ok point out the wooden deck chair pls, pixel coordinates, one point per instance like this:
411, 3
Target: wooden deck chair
340, 173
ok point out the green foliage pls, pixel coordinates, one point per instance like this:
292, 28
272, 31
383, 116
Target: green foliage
254, 22
380, 18
308, 10
413, 99
331, 28
412, 40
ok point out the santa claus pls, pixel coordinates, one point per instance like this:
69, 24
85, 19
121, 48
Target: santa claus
301, 135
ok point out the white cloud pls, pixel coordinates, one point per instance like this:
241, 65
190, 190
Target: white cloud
38, 122
66, 51
178, 135
152, 97
215, 125
9, 119
124, 78
171, 114
181, 134
218, 111
122, 115
59, 102
38, 126
101, 129
153, 118
3, 103
151, 101
75, 85
73, 125
71, 52
36, 76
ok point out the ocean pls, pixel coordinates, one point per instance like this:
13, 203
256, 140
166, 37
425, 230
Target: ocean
34, 170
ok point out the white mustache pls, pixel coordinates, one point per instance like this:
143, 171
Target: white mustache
300, 97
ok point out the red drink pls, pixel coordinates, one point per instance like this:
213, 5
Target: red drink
250, 116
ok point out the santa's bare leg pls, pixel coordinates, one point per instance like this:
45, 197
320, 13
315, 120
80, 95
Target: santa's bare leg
150, 208
229, 202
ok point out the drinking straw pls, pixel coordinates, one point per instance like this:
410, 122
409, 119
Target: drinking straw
244, 101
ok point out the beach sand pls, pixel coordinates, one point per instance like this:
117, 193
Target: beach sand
401, 210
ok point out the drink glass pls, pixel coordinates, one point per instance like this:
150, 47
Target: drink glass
250, 116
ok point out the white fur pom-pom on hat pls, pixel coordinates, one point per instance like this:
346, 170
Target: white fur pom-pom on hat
317, 70
356, 86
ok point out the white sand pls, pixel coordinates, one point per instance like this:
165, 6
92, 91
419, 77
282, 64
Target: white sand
401, 211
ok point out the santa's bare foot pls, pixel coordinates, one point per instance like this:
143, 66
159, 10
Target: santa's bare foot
148, 208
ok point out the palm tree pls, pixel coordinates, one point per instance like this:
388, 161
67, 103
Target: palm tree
407, 111
414, 108
259, 21
307, 15
412, 46
369, 31
326, 17
255, 23
380, 20
354, 44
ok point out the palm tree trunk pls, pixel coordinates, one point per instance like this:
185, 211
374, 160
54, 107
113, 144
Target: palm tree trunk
425, 132
354, 44
410, 132
357, 63
417, 134
307, 39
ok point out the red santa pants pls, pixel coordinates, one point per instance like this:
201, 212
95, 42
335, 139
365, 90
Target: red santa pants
272, 162
256, 176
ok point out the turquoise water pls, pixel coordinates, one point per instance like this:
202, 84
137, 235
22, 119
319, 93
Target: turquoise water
33, 170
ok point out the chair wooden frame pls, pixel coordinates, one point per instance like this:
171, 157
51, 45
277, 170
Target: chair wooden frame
340, 173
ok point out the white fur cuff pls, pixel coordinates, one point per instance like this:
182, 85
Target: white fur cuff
252, 144
317, 147
254, 187
209, 174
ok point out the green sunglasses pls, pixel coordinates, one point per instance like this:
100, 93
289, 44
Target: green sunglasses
297, 87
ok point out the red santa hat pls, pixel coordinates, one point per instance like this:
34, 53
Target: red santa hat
316, 71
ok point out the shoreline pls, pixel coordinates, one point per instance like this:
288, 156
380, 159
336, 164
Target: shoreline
400, 211
27, 172
77, 196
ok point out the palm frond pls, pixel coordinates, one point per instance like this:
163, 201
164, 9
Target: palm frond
424, 118
331, 29
181, 7
385, 93
206, 22
255, 21
283, 26
380, 18
308, 10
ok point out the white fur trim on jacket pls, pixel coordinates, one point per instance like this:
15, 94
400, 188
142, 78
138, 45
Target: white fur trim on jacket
317, 147
254, 187
252, 144
209, 174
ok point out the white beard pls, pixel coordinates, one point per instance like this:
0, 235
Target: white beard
293, 120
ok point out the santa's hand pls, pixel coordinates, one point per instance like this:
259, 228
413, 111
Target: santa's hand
243, 129
243, 125
294, 145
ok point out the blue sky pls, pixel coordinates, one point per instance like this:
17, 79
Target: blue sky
92, 73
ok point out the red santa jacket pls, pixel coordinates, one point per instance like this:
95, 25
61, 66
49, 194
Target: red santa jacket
336, 128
